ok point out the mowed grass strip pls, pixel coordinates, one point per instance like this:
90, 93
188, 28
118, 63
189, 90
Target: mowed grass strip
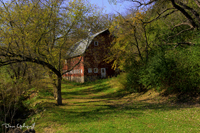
95, 108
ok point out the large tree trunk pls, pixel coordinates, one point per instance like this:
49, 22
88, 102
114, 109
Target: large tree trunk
57, 87
59, 96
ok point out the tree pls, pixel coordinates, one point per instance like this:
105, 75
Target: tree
164, 23
134, 30
190, 9
130, 38
41, 32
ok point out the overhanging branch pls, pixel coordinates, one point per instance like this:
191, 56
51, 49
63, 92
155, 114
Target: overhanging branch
143, 4
181, 32
159, 15
195, 13
14, 58
184, 13
182, 24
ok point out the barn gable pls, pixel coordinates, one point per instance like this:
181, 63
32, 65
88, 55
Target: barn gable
80, 47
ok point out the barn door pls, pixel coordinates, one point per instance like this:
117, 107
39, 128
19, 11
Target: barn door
103, 72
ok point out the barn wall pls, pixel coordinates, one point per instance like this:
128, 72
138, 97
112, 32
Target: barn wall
95, 55
91, 78
75, 78
77, 74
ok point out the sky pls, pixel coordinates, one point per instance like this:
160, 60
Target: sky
111, 8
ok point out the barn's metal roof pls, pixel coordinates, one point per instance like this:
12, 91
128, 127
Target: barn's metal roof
80, 47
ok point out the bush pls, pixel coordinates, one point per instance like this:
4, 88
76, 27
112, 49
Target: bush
133, 67
176, 70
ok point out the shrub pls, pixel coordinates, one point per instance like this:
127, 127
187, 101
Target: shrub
133, 67
176, 70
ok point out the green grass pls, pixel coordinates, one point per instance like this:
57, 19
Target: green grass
99, 107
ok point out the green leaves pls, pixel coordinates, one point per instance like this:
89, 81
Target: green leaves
41, 32
175, 70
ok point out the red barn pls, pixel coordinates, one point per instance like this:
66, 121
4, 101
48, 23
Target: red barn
89, 54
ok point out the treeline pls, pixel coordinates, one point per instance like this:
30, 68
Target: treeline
157, 44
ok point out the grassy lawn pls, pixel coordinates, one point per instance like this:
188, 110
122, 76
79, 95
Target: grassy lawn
103, 107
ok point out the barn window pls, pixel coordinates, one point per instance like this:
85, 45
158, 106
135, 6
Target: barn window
89, 70
95, 43
95, 70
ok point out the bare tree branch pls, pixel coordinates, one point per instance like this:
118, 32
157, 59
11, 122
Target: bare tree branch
186, 43
181, 32
198, 3
182, 24
184, 13
73, 66
159, 14
143, 4
195, 13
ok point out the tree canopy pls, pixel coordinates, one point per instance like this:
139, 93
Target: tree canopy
41, 32
150, 41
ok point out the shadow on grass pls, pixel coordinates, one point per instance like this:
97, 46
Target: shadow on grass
93, 88
85, 83
90, 90
80, 113
115, 95
87, 113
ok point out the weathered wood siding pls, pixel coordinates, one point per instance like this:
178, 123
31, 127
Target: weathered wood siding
95, 55
77, 74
